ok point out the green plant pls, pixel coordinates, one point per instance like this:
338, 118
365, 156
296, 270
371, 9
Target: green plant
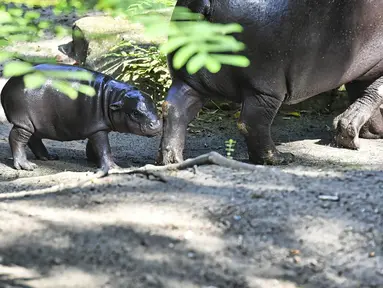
230, 144
144, 66
210, 49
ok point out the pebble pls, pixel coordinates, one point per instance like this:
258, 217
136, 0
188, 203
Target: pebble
334, 198
237, 217
56, 261
188, 235
297, 259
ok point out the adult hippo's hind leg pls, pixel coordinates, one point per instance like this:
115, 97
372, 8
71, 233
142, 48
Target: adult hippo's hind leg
180, 107
18, 139
257, 115
348, 125
91, 155
38, 148
373, 129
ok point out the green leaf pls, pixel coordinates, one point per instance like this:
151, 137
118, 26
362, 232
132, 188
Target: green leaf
76, 75
18, 37
184, 54
3, 42
32, 15
16, 68
230, 28
5, 17
34, 80
61, 31
87, 90
173, 44
294, 113
212, 64
4, 56
234, 60
196, 63
17, 12
184, 13
44, 24
65, 88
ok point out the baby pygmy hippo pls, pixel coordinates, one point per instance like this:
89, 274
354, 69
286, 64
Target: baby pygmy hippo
48, 113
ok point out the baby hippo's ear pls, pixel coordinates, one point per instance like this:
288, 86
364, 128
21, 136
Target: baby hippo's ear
116, 105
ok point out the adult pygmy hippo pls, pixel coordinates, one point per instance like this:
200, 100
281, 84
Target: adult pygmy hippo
48, 113
297, 49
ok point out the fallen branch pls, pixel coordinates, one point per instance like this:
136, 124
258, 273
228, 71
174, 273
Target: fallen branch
147, 170
205, 159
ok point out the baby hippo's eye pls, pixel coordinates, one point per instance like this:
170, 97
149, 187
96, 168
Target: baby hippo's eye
136, 113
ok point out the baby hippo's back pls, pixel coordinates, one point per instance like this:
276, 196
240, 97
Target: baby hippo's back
48, 113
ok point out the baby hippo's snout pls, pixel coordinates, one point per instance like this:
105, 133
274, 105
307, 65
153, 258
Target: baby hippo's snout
141, 116
153, 128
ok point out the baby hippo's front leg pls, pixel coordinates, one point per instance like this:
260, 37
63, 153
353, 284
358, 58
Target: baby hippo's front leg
101, 150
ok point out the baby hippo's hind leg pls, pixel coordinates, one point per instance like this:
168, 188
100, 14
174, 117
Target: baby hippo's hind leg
18, 139
38, 148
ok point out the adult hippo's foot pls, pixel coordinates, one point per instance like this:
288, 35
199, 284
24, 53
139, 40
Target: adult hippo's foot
361, 113
39, 150
18, 139
98, 148
373, 129
180, 107
257, 114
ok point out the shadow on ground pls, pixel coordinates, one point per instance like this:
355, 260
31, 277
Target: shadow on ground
219, 228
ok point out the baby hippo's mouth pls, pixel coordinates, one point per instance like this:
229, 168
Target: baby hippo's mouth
152, 129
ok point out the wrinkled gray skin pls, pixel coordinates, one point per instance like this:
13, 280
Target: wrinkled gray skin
297, 49
47, 113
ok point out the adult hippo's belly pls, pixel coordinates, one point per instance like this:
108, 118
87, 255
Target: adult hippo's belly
297, 49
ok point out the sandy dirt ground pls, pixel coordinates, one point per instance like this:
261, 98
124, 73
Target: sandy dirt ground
210, 227
204, 227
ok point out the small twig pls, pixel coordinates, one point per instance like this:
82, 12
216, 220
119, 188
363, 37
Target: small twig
50, 190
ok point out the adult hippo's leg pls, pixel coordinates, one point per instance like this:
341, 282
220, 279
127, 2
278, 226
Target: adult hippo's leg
38, 148
180, 107
348, 124
101, 148
373, 128
257, 115
18, 139
91, 154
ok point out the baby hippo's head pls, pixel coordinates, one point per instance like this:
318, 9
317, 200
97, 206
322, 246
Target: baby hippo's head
135, 113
